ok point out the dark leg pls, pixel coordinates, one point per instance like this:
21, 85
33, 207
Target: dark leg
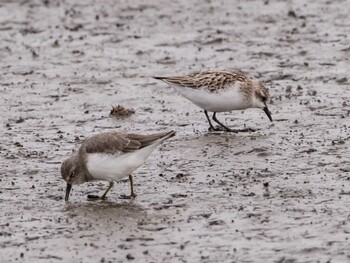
211, 125
109, 188
218, 122
132, 194
228, 129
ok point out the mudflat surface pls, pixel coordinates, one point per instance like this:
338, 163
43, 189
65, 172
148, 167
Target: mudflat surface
201, 196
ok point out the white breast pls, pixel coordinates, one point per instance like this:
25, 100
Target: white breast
228, 99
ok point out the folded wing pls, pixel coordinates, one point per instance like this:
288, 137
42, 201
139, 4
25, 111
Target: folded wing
210, 80
116, 142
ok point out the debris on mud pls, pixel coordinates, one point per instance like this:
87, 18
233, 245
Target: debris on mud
266, 189
20, 120
292, 14
121, 111
216, 222
93, 197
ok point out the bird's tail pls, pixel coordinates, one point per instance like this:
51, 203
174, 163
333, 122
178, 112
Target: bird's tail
156, 77
168, 135
148, 144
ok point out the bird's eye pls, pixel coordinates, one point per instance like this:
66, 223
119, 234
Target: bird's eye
71, 175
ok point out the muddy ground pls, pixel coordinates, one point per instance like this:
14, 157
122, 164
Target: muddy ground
201, 196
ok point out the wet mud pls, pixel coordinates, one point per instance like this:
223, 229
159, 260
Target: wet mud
280, 194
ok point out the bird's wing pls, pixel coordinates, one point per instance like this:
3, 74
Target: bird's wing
211, 80
115, 142
110, 143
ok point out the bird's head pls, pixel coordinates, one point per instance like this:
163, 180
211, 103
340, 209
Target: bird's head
72, 173
261, 97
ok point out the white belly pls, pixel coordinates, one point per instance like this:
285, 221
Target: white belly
115, 167
224, 100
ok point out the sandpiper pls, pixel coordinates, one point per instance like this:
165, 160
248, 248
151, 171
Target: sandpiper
110, 156
220, 91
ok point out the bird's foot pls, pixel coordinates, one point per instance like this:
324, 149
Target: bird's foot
131, 196
217, 128
223, 129
220, 128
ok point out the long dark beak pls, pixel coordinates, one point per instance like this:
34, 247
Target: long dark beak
268, 113
69, 187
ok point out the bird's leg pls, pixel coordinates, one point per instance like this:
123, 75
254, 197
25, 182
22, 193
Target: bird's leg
218, 122
228, 129
132, 194
211, 125
109, 188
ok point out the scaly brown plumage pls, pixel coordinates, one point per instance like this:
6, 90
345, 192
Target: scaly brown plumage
220, 91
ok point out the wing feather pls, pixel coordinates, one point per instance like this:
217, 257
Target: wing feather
110, 143
211, 80
116, 142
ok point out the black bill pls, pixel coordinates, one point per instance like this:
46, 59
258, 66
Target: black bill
69, 187
268, 113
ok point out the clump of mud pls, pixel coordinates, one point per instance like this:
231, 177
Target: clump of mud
121, 111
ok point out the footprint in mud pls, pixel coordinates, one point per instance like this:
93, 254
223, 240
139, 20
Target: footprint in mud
262, 152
